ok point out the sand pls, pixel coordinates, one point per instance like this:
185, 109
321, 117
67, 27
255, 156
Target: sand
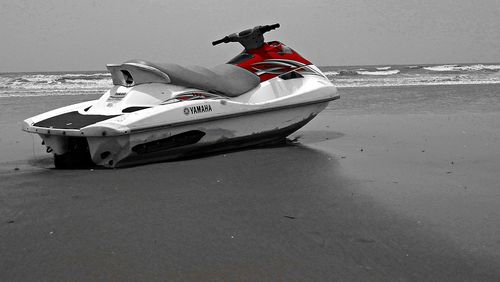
363, 195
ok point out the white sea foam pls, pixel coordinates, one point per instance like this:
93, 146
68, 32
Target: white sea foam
331, 73
104, 74
414, 81
55, 81
382, 72
383, 68
51, 92
479, 67
442, 68
456, 68
50, 84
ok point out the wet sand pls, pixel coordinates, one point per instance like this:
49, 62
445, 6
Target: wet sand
363, 195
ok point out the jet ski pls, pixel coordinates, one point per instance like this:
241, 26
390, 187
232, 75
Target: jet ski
156, 112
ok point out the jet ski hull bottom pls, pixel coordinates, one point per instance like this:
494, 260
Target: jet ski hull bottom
169, 143
263, 138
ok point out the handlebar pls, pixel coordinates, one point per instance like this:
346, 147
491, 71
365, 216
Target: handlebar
267, 28
222, 40
239, 37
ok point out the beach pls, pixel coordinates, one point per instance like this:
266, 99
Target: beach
394, 176
388, 183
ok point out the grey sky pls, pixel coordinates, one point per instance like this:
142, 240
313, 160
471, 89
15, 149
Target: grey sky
85, 35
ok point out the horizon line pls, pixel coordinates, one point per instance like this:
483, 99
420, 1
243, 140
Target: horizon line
321, 66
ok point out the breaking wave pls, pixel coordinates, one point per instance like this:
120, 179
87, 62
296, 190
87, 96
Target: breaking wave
331, 73
457, 68
381, 72
46, 84
414, 81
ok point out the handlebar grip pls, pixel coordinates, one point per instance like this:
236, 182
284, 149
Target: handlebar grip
267, 28
223, 40
274, 26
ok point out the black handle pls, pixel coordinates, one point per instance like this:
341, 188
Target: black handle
244, 36
267, 28
223, 40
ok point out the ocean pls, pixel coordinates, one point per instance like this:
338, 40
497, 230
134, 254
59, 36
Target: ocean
413, 75
97, 82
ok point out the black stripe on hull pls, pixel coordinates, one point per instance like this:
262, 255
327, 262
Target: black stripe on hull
178, 140
263, 138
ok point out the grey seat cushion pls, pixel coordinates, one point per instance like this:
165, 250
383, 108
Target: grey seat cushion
226, 79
